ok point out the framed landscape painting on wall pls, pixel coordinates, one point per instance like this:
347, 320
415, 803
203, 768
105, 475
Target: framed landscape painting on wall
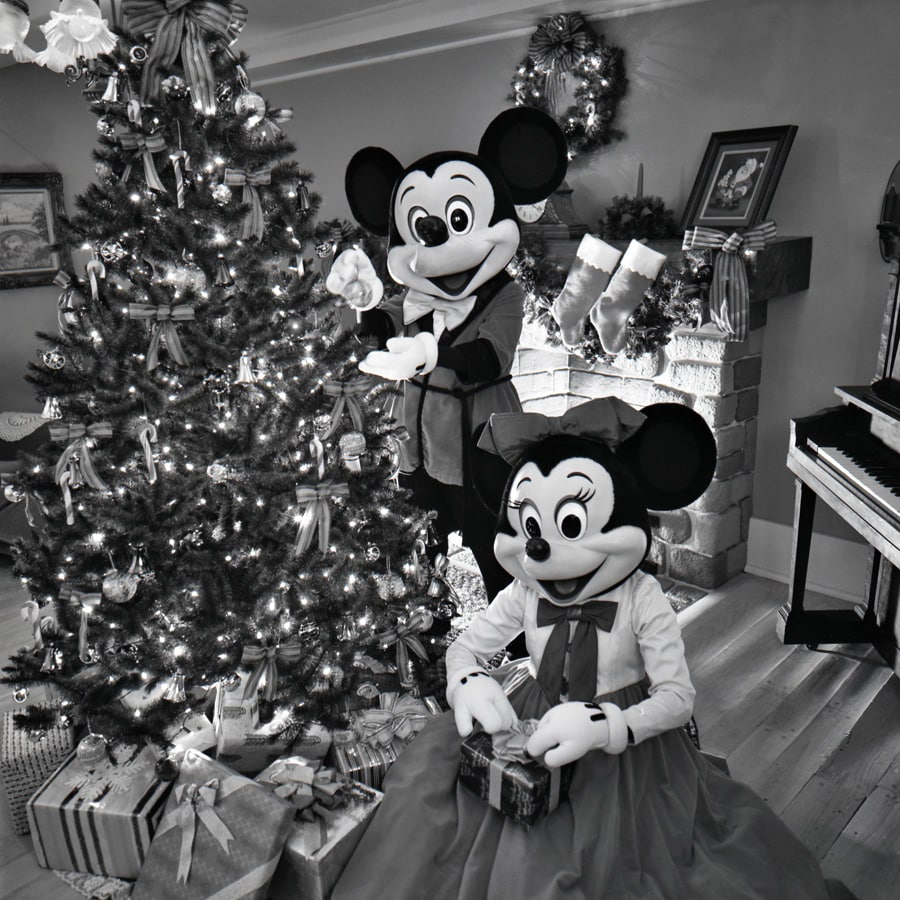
30, 207
737, 177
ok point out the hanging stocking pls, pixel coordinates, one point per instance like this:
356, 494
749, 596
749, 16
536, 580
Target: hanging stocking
586, 281
636, 273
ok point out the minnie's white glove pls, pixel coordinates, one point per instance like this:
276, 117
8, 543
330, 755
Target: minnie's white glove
567, 731
476, 695
403, 358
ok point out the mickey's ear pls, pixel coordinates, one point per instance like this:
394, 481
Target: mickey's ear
369, 182
672, 455
529, 149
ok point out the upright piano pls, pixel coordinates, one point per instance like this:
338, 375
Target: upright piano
849, 457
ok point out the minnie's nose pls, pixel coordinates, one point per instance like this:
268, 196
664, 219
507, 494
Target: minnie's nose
537, 549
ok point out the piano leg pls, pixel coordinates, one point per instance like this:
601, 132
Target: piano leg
794, 624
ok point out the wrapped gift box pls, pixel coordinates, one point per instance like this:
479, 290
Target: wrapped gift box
360, 761
27, 758
242, 743
98, 820
309, 867
523, 790
238, 827
192, 731
313, 742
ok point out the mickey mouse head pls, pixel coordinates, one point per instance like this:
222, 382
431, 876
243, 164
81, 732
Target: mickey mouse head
450, 216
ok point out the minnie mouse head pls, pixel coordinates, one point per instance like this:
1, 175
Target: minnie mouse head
573, 521
450, 216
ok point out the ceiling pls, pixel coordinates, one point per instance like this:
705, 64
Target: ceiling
288, 39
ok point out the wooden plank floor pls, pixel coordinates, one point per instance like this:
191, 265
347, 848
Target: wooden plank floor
817, 734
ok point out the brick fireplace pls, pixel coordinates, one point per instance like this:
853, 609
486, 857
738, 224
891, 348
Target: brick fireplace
705, 544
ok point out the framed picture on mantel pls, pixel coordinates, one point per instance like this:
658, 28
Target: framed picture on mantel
737, 177
30, 207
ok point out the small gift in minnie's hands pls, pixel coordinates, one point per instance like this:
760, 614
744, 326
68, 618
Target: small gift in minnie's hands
569, 730
475, 695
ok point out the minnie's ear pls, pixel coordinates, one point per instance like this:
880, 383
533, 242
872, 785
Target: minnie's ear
369, 182
490, 473
529, 149
672, 455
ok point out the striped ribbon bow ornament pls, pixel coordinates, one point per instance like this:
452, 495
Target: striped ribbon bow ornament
729, 292
70, 299
406, 636
144, 146
266, 660
76, 465
164, 318
254, 224
316, 514
348, 395
186, 28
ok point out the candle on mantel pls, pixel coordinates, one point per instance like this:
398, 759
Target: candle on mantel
640, 184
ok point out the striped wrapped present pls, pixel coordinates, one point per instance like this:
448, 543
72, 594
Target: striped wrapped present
99, 819
27, 759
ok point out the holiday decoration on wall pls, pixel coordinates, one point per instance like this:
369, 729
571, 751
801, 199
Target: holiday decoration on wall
218, 468
572, 74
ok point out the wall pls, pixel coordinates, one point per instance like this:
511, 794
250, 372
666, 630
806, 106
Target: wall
825, 65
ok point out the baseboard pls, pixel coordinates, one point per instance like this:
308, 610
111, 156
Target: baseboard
837, 567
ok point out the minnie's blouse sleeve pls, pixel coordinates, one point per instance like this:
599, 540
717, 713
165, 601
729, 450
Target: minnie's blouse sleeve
671, 699
490, 631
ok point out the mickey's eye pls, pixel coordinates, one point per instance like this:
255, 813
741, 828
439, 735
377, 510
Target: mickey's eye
460, 215
416, 214
571, 520
530, 520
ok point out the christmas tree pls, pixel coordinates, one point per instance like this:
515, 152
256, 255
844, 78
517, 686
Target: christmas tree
218, 495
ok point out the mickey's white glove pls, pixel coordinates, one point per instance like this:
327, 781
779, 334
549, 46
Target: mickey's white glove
477, 696
567, 731
404, 357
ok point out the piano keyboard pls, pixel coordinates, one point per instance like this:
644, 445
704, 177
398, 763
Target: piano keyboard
868, 466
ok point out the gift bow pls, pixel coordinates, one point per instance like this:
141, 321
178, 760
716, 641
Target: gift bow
400, 715
144, 145
510, 745
406, 637
266, 660
253, 224
606, 419
729, 292
86, 604
317, 514
31, 613
164, 329
76, 464
197, 802
448, 314
347, 396
186, 27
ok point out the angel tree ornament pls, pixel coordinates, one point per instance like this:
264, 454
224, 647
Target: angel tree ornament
77, 30
14, 26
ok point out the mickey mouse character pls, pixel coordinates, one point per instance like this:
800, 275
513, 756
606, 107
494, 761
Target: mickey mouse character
452, 229
607, 683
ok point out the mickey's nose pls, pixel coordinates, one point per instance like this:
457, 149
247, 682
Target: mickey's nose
537, 548
432, 230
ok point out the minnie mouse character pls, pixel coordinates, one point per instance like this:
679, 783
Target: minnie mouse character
606, 682
451, 225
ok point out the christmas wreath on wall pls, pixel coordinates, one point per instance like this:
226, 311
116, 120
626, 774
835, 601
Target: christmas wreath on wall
567, 57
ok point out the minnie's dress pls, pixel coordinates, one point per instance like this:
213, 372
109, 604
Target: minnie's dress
656, 821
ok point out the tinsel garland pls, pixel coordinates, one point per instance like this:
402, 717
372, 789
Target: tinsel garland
563, 48
679, 297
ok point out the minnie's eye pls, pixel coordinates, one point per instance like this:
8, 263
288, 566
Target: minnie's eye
460, 215
415, 215
571, 520
530, 521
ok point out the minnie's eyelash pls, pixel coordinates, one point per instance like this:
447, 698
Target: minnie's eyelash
514, 504
584, 495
